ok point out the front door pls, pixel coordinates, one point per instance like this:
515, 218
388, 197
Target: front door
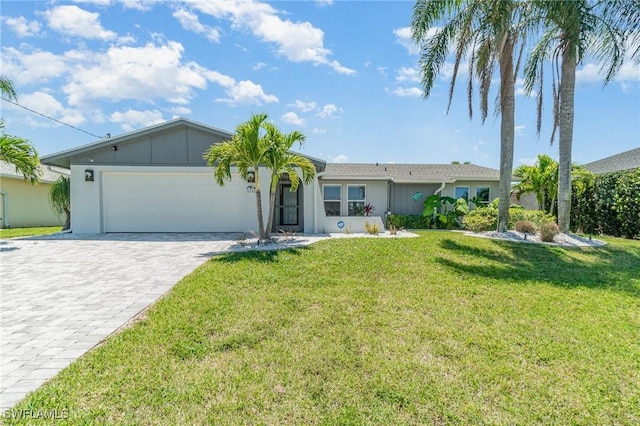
288, 207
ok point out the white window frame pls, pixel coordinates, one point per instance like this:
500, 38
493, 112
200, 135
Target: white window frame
339, 200
349, 200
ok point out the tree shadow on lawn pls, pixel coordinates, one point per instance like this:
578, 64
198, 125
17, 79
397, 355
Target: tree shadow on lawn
260, 255
607, 267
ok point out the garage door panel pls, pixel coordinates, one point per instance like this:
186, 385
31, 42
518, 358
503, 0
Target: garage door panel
169, 202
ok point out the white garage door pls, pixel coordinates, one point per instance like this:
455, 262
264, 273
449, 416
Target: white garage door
169, 202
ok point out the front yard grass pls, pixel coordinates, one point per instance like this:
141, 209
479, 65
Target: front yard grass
441, 329
28, 232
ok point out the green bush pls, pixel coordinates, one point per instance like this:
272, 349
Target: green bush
548, 231
408, 221
526, 227
486, 218
481, 219
607, 204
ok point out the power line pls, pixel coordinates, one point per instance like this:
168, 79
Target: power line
108, 135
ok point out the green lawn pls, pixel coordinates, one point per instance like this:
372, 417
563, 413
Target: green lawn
441, 329
28, 232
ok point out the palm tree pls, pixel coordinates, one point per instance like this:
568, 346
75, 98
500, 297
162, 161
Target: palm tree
540, 179
60, 198
281, 161
490, 31
16, 150
571, 29
246, 151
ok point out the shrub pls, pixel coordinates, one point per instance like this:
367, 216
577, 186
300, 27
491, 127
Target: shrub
408, 221
526, 227
486, 218
548, 231
371, 228
481, 219
607, 204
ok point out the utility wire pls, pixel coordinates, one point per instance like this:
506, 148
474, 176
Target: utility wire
108, 135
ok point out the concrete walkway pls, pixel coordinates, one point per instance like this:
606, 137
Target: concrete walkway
61, 295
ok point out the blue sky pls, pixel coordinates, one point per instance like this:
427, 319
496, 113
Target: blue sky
342, 72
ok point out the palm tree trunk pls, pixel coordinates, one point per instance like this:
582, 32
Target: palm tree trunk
567, 92
272, 204
67, 222
507, 132
261, 235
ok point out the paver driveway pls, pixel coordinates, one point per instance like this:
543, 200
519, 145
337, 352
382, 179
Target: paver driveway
62, 295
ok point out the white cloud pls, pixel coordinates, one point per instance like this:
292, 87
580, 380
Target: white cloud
21, 27
296, 41
324, 2
406, 74
341, 158
318, 131
304, 106
26, 67
329, 110
258, 66
248, 93
70, 20
180, 110
141, 5
415, 92
101, 3
141, 73
46, 104
519, 130
292, 118
189, 21
403, 38
132, 119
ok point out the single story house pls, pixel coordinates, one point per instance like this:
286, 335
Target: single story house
155, 180
24, 204
623, 161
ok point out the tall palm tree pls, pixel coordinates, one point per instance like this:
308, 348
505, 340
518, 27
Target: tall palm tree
490, 31
16, 150
246, 151
571, 30
60, 198
281, 161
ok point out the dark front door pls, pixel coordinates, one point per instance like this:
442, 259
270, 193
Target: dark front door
288, 206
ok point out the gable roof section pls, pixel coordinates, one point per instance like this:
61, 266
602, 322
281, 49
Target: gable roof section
409, 173
178, 142
624, 161
49, 174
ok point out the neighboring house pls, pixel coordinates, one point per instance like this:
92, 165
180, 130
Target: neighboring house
155, 180
24, 204
624, 161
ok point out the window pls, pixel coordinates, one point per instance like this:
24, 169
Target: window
356, 197
482, 195
461, 192
332, 195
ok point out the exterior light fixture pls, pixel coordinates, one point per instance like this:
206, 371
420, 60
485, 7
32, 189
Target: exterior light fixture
88, 175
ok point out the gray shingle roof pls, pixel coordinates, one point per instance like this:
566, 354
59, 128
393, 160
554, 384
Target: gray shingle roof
49, 174
623, 161
410, 173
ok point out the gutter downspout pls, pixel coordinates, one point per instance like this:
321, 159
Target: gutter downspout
5, 209
442, 185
